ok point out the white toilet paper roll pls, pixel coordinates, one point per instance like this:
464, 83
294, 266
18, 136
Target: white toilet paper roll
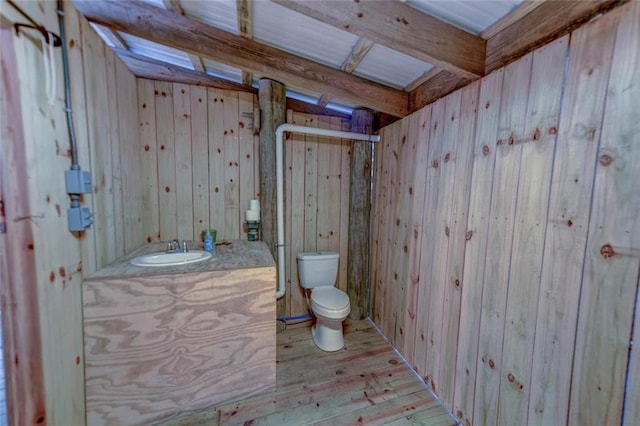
252, 215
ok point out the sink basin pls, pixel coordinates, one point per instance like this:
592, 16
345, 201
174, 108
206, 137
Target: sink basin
170, 259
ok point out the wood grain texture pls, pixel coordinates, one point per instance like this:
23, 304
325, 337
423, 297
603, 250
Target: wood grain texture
344, 157
359, 218
366, 383
144, 67
550, 259
103, 97
149, 160
215, 123
612, 255
419, 137
232, 227
431, 190
453, 281
499, 246
23, 382
95, 246
246, 157
272, 114
550, 20
534, 182
484, 155
200, 160
436, 87
440, 235
166, 346
130, 158
183, 160
358, 53
117, 168
403, 28
212, 166
569, 207
295, 154
166, 184
207, 41
316, 201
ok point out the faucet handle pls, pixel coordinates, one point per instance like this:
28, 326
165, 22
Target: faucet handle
184, 246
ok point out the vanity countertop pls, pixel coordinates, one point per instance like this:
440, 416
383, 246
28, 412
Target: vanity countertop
238, 254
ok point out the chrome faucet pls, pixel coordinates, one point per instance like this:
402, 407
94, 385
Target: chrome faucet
174, 247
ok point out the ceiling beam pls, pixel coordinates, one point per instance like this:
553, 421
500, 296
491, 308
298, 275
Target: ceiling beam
115, 38
544, 23
514, 15
196, 61
144, 67
195, 37
324, 101
358, 52
435, 88
403, 28
307, 108
422, 79
245, 27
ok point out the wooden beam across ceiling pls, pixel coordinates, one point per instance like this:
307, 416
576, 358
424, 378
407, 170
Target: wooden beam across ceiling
245, 27
541, 24
435, 88
196, 61
401, 27
189, 35
143, 67
358, 52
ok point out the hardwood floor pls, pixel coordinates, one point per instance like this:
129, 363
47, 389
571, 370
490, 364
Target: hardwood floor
366, 383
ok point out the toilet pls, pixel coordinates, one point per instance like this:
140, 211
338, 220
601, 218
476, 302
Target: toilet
317, 272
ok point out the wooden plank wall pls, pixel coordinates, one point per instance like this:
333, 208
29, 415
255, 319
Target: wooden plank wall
105, 115
316, 200
198, 160
506, 245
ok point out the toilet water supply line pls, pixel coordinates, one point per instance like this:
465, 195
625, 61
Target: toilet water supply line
280, 180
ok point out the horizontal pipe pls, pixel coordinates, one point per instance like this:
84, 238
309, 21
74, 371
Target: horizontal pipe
293, 128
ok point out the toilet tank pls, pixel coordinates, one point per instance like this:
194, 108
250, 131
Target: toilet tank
318, 269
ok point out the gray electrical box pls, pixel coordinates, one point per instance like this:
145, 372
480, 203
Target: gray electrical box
79, 218
77, 181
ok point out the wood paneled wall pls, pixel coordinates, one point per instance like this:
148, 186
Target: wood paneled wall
316, 200
200, 163
506, 238
199, 160
105, 115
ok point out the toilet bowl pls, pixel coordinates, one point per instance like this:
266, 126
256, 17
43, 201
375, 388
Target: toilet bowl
318, 272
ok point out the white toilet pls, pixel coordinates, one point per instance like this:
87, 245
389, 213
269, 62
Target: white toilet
318, 272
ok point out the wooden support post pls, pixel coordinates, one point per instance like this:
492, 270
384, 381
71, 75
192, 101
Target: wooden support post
272, 114
359, 212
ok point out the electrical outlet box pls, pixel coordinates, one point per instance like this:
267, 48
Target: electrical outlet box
77, 181
79, 218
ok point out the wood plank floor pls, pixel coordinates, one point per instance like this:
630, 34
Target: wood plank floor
366, 383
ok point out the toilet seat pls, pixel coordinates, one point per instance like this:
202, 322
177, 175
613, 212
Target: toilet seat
330, 302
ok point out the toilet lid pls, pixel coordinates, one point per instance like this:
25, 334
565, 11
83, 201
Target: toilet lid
330, 298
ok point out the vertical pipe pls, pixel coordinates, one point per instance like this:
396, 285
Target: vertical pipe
280, 182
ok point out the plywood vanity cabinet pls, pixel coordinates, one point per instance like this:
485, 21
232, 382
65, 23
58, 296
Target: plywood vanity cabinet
166, 342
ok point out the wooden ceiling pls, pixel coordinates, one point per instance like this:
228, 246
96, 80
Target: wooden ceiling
458, 57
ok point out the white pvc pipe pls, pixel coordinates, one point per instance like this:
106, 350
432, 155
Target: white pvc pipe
280, 181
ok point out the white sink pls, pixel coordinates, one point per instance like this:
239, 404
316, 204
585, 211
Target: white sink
170, 259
